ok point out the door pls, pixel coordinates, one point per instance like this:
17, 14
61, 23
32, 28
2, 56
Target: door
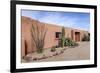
77, 36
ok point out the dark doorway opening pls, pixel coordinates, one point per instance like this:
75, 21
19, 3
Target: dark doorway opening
26, 48
77, 36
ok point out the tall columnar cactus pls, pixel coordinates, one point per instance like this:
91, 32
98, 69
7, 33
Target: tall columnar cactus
63, 37
63, 32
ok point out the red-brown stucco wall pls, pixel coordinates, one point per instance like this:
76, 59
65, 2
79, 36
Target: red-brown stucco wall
50, 39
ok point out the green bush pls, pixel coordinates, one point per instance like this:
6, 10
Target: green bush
53, 49
69, 42
86, 38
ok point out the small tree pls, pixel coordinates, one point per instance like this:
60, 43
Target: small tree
63, 37
38, 32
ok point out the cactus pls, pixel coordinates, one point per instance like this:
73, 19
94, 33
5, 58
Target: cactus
63, 37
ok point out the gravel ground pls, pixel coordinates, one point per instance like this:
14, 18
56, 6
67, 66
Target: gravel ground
81, 52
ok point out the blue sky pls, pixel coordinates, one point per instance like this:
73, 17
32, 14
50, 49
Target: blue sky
78, 20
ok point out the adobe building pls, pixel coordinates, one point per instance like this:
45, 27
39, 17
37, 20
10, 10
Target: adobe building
52, 35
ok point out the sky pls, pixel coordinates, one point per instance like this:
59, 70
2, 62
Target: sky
77, 20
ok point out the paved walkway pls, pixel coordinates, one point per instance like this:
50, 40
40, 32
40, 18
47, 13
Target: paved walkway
81, 52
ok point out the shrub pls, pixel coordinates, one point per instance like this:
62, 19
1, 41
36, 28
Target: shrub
69, 42
39, 50
56, 46
86, 38
53, 49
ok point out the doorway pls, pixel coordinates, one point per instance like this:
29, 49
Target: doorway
77, 36
26, 48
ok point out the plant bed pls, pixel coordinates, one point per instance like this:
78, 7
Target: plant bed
46, 54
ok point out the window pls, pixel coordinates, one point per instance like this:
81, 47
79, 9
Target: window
58, 34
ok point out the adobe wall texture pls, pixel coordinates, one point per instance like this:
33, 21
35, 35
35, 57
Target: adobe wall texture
50, 39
